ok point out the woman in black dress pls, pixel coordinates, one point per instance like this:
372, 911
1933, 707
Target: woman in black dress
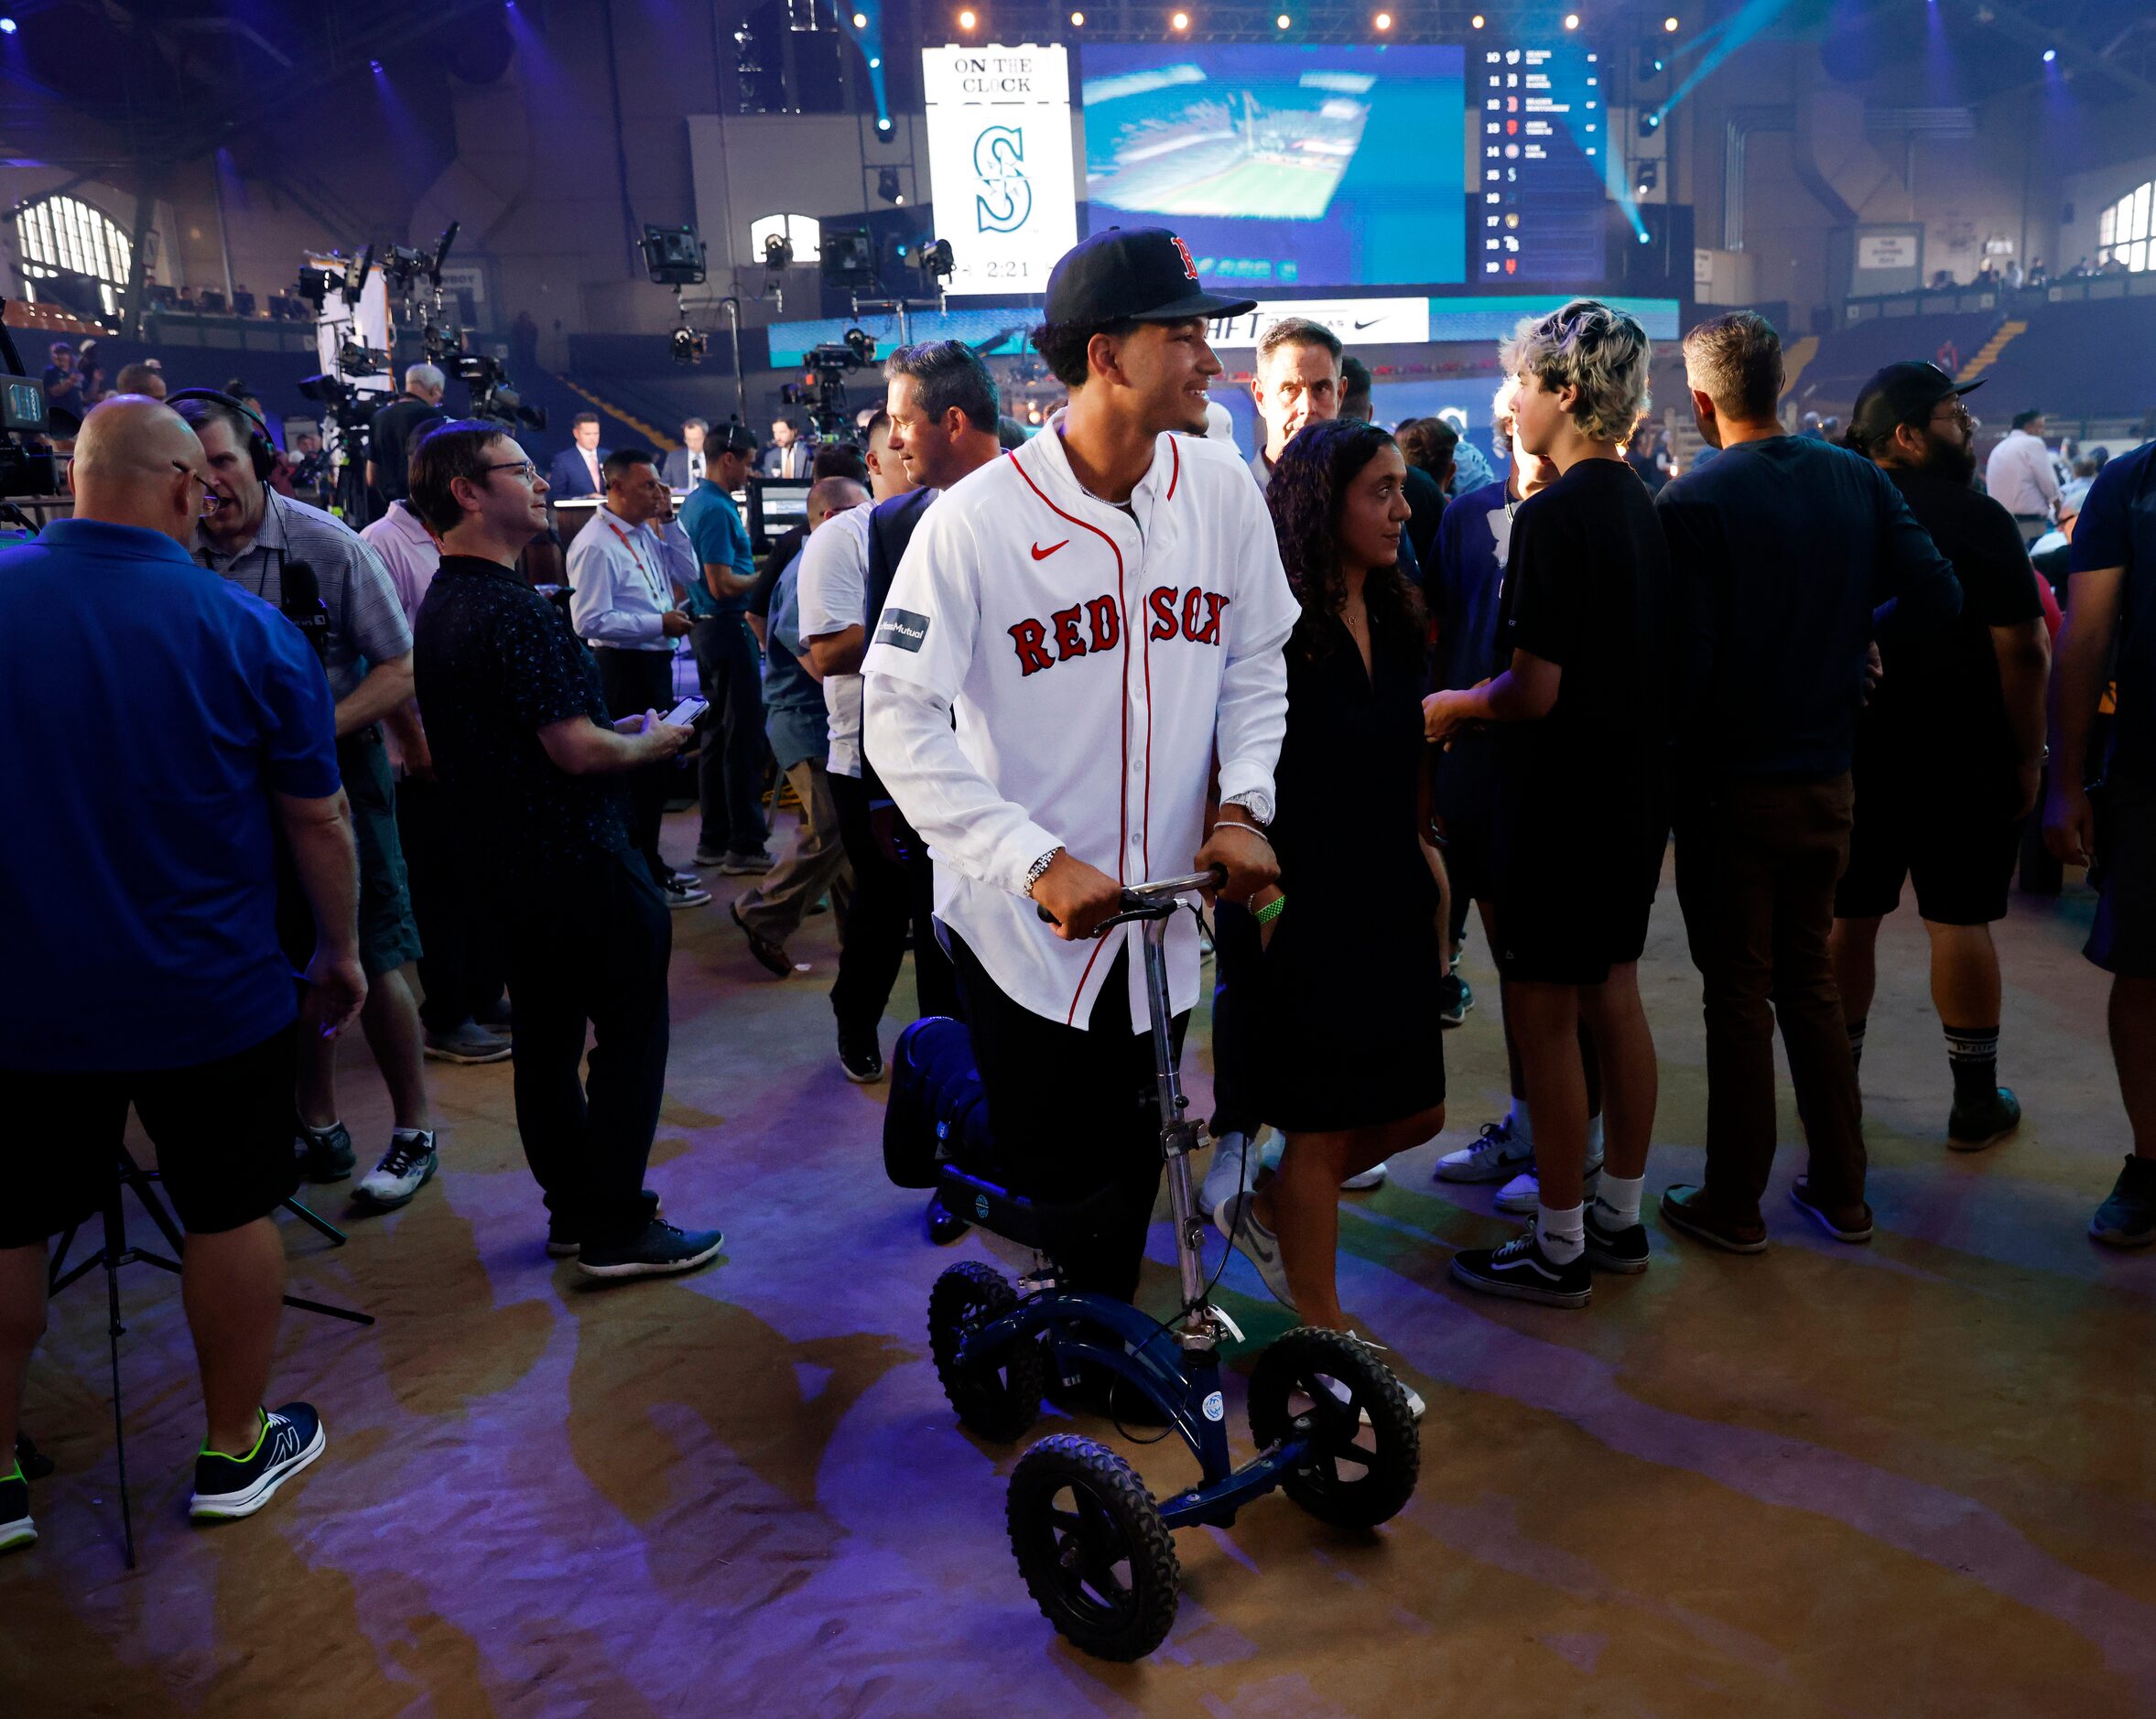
1348, 1036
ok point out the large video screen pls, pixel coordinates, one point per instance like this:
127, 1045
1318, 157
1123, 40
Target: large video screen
1284, 165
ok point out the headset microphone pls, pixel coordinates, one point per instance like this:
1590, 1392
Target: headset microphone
301, 601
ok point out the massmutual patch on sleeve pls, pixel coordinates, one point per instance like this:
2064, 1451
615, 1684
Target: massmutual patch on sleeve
903, 628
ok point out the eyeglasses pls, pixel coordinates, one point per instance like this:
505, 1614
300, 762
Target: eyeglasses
211, 501
1955, 412
524, 468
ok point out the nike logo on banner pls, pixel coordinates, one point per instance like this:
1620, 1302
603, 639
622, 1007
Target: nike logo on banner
1040, 554
1372, 323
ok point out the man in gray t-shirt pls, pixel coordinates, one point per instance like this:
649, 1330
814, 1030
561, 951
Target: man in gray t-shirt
257, 539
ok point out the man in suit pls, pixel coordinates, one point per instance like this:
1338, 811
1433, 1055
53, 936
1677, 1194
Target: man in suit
683, 469
575, 470
790, 455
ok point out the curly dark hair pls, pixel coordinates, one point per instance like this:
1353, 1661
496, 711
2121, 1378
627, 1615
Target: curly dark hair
1309, 481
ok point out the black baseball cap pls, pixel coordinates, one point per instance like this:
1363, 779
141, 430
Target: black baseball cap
1132, 275
1900, 393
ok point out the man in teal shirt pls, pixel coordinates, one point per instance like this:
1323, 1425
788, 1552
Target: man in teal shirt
729, 775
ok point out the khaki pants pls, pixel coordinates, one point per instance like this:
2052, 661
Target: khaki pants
816, 862
1757, 862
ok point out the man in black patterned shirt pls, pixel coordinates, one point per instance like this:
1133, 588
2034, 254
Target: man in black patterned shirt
533, 763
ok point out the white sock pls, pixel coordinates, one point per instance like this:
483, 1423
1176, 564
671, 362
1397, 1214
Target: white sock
1561, 1231
323, 1133
1523, 1129
1594, 1137
1617, 1201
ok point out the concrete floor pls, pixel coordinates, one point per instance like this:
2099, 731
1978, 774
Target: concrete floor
1914, 1479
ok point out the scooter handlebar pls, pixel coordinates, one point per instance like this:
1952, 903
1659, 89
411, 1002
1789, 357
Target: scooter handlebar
1155, 900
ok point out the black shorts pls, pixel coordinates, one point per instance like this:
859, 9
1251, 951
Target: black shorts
222, 1130
2122, 940
388, 934
1957, 847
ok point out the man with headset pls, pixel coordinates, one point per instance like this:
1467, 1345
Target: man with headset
317, 569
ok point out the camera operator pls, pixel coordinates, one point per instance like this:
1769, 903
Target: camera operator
300, 560
146, 912
397, 426
522, 741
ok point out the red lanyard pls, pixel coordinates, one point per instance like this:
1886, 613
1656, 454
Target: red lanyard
641, 568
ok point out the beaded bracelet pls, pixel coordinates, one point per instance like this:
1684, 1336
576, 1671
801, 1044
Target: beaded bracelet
1266, 915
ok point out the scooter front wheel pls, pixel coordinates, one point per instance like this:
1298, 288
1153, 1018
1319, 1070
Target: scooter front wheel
997, 1396
1365, 1451
1096, 1556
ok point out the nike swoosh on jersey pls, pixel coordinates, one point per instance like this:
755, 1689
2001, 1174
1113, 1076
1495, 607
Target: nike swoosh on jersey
1040, 554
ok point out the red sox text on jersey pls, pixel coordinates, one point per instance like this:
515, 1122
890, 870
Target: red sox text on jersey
1086, 628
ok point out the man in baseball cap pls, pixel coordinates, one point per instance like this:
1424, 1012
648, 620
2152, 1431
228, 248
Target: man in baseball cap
1951, 749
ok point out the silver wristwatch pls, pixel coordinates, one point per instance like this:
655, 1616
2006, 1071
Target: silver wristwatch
1039, 870
1257, 803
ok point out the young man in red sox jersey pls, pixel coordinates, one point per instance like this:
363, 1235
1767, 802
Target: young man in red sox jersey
1103, 612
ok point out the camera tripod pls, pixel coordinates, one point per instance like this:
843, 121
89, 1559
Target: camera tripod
117, 1251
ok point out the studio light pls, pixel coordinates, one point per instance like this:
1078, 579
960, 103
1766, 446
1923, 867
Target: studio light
1650, 123
1474, 23
887, 185
1384, 20
966, 19
1571, 20
1077, 20
860, 20
2050, 54
884, 125
1669, 25
1181, 21
6, 26
1282, 22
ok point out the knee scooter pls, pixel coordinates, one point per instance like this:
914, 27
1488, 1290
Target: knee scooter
1330, 1421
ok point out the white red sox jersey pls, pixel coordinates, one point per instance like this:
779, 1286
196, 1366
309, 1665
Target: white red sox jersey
1096, 662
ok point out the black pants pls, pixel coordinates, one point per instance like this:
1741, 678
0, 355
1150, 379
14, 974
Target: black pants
1238, 953
1074, 1113
591, 948
460, 932
635, 682
729, 771
887, 898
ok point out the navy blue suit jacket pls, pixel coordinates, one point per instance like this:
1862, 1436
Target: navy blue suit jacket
566, 476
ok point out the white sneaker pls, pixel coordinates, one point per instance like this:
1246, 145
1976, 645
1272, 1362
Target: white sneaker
406, 1167
1416, 1405
1236, 1220
1523, 1195
1374, 1177
1489, 1159
1234, 1170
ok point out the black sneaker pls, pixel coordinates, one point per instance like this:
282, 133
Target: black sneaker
2128, 1219
1970, 1128
325, 1154
16, 1527
227, 1487
1615, 1249
943, 1225
1454, 1000
1523, 1270
859, 1057
659, 1252
563, 1242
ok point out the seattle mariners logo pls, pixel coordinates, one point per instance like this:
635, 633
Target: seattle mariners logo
1005, 199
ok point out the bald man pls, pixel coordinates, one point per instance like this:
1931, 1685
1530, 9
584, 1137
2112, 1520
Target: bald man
146, 910
798, 726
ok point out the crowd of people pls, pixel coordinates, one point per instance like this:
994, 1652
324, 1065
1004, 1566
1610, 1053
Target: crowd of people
1358, 669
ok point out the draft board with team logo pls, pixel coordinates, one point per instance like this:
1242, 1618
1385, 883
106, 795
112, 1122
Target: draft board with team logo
1000, 164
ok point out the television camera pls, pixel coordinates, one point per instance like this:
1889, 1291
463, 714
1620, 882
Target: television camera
823, 387
674, 256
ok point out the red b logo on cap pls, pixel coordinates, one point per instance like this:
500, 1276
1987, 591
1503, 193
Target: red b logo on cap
1183, 250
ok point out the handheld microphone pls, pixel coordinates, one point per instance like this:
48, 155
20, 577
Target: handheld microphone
301, 601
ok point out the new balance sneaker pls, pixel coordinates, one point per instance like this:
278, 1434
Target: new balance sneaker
1238, 1220
1615, 1249
16, 1527
325, 1153
1970, 1128
684, 894
659, 1250
771, 956
227, 1487
1522, 1270
751, 864
471, 1043
1454, 1000
565, 1239
1489, 1159
1522, 1196
859, 1057
2128, 1219
1234, 1169
406, 1167
1374, 1177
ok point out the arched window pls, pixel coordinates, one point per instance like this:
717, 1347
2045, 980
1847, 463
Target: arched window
804, 232
2124, 230
65, 232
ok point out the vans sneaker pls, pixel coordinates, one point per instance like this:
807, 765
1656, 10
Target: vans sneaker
1615, 1249
228, 1487
1522, 1270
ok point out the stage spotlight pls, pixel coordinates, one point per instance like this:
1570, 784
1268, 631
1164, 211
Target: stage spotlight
1384, 20
1650, 123
1669, 25
2050, 54
1474, 23
1571, 20
1077, 20
1650, 175
887, 185
6, 26
1181, 21
1282, 22
884, 125
966, 19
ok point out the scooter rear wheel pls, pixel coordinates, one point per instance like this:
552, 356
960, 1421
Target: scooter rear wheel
1096, 1556
998, 1396
1366, 1450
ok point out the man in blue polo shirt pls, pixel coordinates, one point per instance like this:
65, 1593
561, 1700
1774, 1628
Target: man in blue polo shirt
138, 886
730, 774
2111, 607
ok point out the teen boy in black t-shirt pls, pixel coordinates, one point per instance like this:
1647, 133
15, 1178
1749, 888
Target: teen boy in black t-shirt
1950, 751
1581, 800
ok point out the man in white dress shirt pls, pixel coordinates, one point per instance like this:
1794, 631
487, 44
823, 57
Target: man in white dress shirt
624, 604
2021, 479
